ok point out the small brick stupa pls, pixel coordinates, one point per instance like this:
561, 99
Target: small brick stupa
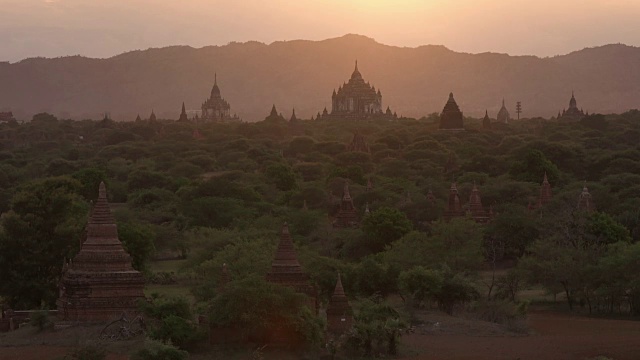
339, 312
347, 215
545, 192
585, 202
286, 270
478, 213
100, 284
454, 207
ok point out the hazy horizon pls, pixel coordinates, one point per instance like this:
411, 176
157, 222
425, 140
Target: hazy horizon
101, 28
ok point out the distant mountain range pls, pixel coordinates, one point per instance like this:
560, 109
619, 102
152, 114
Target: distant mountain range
302, 74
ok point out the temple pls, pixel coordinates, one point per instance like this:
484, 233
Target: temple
6, 116
183, 114
477, 211
451, 116
339, 312
347, 215
454, 207
100, 284
273, 115
503, 114
356, 100
585, 202
572, 113
545, 192
216, 108
152, 117
286, 270
358, 143
486, 121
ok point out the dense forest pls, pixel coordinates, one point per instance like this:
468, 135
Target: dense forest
215, 194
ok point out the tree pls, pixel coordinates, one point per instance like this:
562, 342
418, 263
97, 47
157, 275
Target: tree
376, 322
173, 321
444, 286
137, 240
90, 179
384, 226
531, 165
282, 176
41, 230
260, 310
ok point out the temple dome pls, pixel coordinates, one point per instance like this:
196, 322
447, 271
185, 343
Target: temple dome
503, 114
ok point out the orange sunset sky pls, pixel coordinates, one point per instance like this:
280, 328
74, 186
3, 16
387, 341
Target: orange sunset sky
103, 28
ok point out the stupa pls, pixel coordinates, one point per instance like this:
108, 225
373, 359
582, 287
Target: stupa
347, 214
451, 116
100, 284
286, 270
339, 312
454, 207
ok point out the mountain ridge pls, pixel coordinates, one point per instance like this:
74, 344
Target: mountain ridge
414, 81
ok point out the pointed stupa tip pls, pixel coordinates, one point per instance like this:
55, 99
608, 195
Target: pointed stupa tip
102, 191
356, 69
450, 96
545, 177
215, 78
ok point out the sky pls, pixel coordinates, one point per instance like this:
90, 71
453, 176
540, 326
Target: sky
104, 28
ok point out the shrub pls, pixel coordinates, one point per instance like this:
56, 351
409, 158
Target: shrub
156, 350
40, 319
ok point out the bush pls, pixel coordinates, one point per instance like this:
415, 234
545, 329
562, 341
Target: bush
156, 350
40, 319
173, 321
502, 312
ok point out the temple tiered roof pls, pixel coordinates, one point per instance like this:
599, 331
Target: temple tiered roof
216, 108
100, 283
572, 113
356, 99
286, 270
451, 116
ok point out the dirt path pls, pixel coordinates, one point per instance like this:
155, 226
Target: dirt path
557, 336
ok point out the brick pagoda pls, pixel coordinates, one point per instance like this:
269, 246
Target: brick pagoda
339, 312
347, 214
100, 284
454, 207
286, 270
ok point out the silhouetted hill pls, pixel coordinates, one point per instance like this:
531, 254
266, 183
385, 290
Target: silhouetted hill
302, 74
